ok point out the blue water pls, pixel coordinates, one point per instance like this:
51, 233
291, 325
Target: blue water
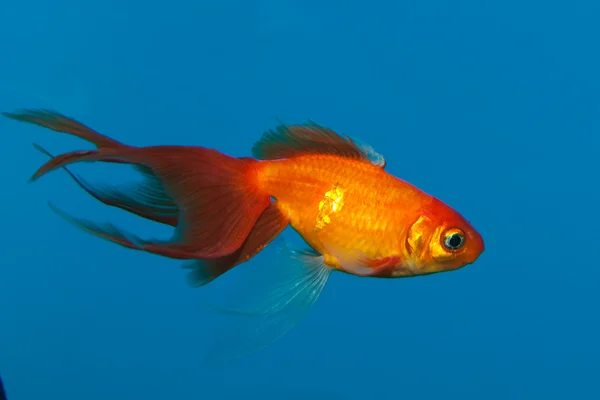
494, 107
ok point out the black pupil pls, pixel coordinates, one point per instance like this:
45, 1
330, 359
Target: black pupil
455, 240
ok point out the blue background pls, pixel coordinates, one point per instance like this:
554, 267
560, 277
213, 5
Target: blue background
491, 106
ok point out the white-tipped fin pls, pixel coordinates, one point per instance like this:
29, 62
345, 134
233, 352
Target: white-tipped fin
279, 295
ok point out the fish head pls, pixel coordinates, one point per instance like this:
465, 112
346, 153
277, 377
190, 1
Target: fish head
441, 240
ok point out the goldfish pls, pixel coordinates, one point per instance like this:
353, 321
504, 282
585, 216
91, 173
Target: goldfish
331, 189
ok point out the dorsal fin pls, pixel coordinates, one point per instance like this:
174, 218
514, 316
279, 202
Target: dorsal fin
309, 138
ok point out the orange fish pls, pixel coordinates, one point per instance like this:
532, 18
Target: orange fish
332, 190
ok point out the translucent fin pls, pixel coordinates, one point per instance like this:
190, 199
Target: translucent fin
146, 199
370, 152
276, 297
310, 138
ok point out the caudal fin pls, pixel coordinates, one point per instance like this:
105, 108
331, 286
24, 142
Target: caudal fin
146, 199
61, 123
217, 196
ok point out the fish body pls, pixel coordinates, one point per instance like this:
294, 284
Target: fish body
331, 189
361, 217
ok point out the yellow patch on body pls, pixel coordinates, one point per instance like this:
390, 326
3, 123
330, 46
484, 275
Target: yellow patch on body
332, 202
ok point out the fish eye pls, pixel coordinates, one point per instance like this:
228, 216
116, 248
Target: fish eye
454, 239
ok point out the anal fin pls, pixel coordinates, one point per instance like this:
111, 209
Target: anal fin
269, 225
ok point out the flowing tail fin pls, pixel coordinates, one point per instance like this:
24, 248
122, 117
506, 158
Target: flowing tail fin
210, 185
61, 123
269, 225
218, 197
146, 199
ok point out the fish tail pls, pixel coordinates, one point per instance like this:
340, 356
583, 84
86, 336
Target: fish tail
218, 197
146, 199
60, 123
